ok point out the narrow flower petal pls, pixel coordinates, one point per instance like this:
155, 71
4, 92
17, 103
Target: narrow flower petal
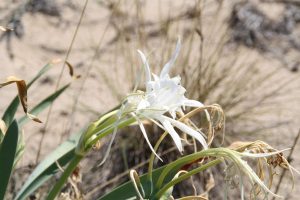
109, 145
189, 131
142, 104
168, 126
192, 103
145, 136
173, 113
155, 122
155, 77
116, 124
146, 66
168, 65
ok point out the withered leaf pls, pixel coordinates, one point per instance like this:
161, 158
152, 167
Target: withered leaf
22, 92
71, 71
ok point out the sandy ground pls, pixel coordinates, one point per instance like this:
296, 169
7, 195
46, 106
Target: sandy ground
111, 76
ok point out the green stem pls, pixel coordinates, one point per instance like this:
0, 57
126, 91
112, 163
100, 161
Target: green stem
151, 162
78, 156
67, 172
105, 131
176, 165
152, 157
186, 176
104, 121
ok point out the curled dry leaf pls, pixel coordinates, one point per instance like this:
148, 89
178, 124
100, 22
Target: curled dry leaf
33, 117
262, 147
22, 92
70, 67
269, 162
71, 71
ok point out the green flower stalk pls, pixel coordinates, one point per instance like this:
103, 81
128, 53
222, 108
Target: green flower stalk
242, 169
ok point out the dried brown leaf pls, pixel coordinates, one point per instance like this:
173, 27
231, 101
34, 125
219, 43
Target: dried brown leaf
71, 71
22, 92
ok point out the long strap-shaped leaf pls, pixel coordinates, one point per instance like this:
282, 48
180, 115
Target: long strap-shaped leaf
127, 190
63, 155
48, 167
11, 110
7, 156
167, 173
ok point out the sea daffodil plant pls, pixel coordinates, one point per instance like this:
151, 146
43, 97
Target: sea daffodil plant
163, 98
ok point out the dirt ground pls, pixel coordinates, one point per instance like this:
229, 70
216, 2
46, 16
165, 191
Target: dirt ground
114, 70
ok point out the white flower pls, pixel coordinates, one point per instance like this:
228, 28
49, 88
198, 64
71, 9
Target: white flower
164, 95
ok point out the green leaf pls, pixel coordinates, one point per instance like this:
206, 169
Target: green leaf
167, 173
20, 148
11, 110
167, 195
127, 190
48, 167
7, 156
43, 104
39, 74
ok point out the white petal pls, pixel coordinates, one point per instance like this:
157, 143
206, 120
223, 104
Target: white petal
176, 79
155, 77
155, 122
192, 103
110, 144
146, 66
168, 65
168, 126
142, 104
145, 136
189, 131
173, 113
116, 124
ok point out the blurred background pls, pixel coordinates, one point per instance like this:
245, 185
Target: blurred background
242, 55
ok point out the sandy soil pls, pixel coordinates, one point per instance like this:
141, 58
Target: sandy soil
113, 71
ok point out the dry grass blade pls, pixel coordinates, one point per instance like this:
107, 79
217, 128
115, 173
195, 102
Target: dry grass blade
22, 92
60, 77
